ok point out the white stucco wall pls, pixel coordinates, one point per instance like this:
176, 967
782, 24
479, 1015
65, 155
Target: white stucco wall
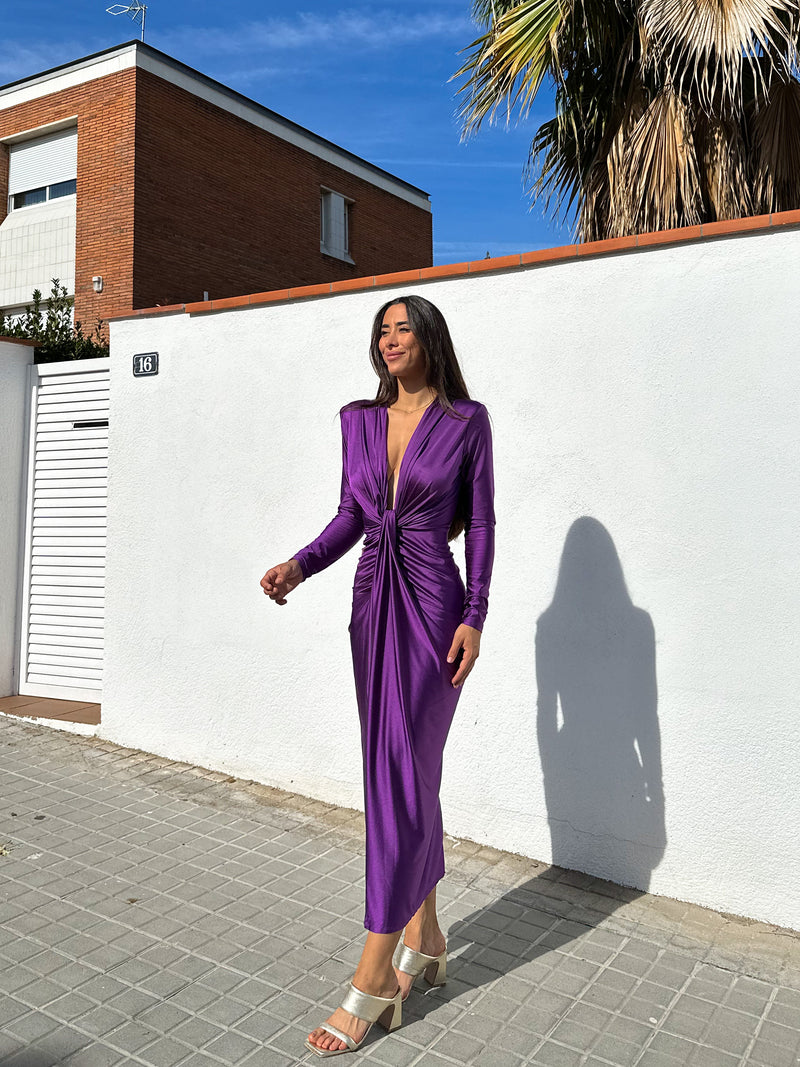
649, 397
15, 358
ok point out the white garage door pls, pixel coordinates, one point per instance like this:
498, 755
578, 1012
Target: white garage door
64, 586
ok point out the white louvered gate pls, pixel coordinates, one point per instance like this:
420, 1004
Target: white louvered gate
64, 585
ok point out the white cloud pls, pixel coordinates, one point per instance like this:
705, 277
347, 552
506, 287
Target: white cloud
238, 79
22, 61
438, 161
307, 35
343, 30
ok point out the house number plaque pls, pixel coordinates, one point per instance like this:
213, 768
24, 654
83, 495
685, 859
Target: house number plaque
145, 363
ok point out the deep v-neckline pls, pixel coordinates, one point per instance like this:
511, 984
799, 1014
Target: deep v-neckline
401, 464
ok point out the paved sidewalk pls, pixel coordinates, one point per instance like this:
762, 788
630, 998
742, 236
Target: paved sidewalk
153, 913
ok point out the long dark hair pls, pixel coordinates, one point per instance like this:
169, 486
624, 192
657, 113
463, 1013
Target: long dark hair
443, 372
429, 327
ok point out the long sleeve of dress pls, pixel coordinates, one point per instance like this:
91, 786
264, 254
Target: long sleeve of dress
341, 533
479, 521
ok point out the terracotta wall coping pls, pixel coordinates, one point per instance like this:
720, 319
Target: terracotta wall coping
16, 341
706, 231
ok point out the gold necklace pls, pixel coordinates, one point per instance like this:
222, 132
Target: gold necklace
410, 411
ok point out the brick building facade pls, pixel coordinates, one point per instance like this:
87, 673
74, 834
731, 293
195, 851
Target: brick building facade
182, 188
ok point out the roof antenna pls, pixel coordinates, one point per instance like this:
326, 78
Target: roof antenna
136, 10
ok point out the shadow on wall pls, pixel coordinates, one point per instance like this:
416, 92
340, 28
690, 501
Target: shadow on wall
597, 720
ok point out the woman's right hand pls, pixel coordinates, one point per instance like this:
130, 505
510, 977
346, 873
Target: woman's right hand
279, 581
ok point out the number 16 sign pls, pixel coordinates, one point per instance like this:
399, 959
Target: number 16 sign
145, 363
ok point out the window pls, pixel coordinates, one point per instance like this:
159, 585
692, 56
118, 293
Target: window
334, 225
42, 168
62, 189
33, 196
39, 196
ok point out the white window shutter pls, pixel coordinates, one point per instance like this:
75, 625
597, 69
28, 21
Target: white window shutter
43, 161
335, 239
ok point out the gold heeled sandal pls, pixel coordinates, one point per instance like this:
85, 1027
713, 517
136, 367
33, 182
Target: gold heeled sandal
385, 1011
409, 961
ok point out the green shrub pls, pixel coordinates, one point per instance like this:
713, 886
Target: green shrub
52, 330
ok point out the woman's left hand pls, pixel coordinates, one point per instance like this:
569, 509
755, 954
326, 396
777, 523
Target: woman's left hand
468, 640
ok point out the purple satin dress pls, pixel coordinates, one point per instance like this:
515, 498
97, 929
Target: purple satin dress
408, 600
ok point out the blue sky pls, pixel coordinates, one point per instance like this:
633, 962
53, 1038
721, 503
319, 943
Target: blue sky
370, 75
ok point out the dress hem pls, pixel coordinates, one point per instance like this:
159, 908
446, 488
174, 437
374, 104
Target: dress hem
391, 929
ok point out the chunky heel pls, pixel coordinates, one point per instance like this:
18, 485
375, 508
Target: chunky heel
392, 1017
436, 972
409, 961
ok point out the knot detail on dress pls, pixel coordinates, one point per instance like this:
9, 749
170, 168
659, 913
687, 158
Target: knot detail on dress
389, 524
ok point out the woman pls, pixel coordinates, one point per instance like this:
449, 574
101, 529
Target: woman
416, 470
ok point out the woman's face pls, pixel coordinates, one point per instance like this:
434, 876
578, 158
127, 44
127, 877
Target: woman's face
402, 353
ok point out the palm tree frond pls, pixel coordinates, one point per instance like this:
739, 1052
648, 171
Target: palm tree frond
724, 166
615, 158
509, 61
564, 151
705, 43
660, 175
484, 12
667, 112
553, 170
776, 137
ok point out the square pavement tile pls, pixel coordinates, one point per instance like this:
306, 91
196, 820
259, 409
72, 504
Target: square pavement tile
419, 1032
458, 1046
767, 1055
132, 1002
777, 1034
101, 1020
62, 1005
393, 1053
31, 1027
164, 1052
131, 1036
17, 978
163, 1017
62, 1043
196, 1032
260, 1025
95, 1056
224, 1012
614, 1050
231, 1047
163, 984
194, 997
575, 1035
726, 1039
493, 1057
551, 1055
10, 1010
268, 1057
711, 1057
651, 1058
784, 1012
